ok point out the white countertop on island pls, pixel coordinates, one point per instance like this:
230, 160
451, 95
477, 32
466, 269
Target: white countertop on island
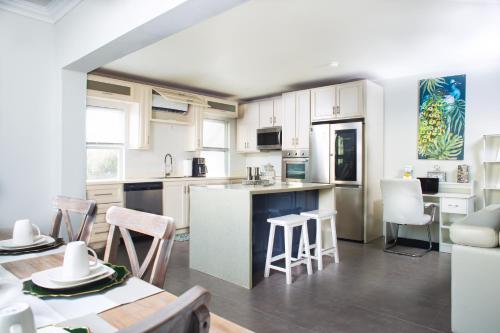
159, 179
260, 189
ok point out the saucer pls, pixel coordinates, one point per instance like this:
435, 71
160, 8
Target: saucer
8, 244
44, 278
56, 274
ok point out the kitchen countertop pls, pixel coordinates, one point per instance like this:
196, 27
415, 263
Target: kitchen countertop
259, 189
158, 179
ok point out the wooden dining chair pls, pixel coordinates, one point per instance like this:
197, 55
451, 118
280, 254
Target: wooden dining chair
187, 314
66, 205
161, 228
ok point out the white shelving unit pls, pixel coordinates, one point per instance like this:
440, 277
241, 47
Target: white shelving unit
491, 169
456, 200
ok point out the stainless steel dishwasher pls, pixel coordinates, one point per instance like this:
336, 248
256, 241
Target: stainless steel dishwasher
144, 197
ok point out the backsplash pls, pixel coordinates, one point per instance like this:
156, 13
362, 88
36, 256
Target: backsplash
262, 158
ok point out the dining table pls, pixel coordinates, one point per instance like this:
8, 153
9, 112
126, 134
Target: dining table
105, 317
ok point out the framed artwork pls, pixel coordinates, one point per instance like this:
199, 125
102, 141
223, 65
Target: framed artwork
441, 118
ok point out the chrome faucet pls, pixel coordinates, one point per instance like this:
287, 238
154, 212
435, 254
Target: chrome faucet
169, 170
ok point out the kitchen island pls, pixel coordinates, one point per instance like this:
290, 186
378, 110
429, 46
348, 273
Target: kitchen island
228, 228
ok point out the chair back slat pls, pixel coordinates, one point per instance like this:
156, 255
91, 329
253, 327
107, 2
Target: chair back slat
161, 228
85, 208
188, 313
402, 201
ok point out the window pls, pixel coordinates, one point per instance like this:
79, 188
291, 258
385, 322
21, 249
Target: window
215, 146
105, 130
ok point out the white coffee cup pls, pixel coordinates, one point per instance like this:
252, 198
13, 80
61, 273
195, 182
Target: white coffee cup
76, 260
17, 318
23, 232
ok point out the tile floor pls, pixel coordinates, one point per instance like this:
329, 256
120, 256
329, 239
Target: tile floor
369, 291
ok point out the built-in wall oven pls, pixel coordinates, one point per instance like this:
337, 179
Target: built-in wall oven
295, 166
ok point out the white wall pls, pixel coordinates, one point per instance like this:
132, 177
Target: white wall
29, 169
165, 139
401, 121
173, 139
262, 158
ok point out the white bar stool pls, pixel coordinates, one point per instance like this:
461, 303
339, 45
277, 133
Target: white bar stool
319, 215
288, 222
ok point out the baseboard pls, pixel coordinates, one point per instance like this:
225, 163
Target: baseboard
417, 243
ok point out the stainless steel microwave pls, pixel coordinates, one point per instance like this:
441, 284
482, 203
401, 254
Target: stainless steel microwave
269, 138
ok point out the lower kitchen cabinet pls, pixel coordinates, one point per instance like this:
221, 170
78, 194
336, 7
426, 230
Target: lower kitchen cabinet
176, 202
176, 199
105, 196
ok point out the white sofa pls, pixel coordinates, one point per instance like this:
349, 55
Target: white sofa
475, 272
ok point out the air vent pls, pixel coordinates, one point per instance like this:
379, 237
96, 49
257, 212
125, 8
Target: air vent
109, 88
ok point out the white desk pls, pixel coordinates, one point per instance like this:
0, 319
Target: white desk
455, 202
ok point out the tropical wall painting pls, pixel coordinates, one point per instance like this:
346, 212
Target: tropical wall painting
441, 118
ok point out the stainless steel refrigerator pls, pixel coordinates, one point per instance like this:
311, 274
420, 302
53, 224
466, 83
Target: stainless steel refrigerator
337, 158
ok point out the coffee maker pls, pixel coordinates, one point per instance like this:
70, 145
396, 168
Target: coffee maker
199, 167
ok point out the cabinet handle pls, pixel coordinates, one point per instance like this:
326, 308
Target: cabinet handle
338, 109
101, 194
271, 120
274, 119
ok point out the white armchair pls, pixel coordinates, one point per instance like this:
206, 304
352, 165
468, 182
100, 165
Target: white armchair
403, 204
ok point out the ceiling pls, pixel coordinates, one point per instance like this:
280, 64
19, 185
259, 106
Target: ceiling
264, 47
44, 10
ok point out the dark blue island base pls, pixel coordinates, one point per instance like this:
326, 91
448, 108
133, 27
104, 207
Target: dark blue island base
272, 205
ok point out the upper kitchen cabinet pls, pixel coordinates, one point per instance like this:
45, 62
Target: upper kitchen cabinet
341, 101
221, 108
246, 128
138, 118
107, 88
270, 112
296, 121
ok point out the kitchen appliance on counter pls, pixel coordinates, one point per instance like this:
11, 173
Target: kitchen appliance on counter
269, 174
187, 168
295, 166
269, 138
199, 167
337, 158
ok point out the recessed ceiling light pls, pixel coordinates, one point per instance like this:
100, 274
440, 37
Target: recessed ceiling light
334, 64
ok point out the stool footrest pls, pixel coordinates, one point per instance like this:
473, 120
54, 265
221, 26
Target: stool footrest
278, 268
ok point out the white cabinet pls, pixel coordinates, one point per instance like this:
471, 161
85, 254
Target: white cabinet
341, 101
195, 129
269, 112
296, 120
138, 118
350, 100
266, 113
175, 202
246, 128
323, 103
105, 197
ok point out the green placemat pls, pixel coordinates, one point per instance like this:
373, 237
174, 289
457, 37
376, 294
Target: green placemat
44, 247
121, 274
77, 330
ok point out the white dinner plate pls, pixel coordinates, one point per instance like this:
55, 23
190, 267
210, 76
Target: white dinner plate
56, 274
43, 278
8, 244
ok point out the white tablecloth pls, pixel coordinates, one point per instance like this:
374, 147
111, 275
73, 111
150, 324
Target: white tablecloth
56, 310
